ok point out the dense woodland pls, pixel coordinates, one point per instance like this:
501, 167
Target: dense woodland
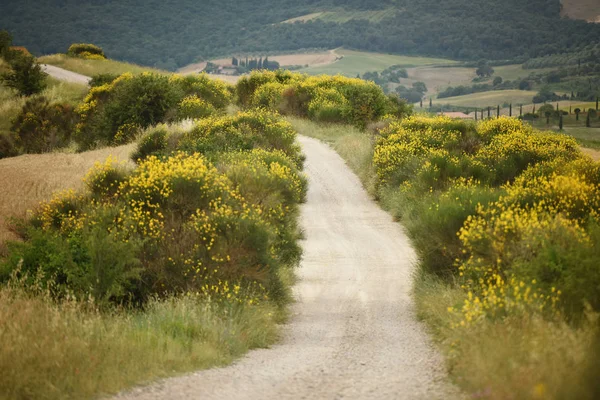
172, 34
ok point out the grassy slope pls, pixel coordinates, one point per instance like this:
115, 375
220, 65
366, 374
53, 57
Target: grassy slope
70, 351
94, 67
495, 360
358, 62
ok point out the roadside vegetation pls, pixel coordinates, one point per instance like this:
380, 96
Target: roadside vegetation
504, 219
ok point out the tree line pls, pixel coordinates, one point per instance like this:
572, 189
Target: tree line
159, 34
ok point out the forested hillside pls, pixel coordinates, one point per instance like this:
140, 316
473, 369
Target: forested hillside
175, 33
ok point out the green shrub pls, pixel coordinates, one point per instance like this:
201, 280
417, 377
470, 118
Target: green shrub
192, 107
25, 75
86, 50
244, 131
7, 146
41, 127
114, 113
102, 79
153, 142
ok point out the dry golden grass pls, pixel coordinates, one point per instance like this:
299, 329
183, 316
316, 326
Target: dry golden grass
26, 180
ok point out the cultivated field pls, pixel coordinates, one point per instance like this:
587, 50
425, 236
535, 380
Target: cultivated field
359, 62
26, 180
588, 10
439, 78
489, 99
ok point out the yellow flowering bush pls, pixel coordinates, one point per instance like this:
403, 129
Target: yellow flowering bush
194, 107
323, 98
244, 131
115, 112
512, 211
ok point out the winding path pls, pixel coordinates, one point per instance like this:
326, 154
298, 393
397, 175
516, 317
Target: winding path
353, 333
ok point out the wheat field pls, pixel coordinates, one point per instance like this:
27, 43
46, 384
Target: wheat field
29, 179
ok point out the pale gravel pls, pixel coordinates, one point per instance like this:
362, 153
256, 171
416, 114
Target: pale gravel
353, 333
65, 75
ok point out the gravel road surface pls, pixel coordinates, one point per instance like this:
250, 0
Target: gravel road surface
353, 333
65, 75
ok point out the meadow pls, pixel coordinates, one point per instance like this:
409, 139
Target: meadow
358, 62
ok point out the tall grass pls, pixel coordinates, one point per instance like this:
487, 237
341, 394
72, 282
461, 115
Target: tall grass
94, 67
71, 351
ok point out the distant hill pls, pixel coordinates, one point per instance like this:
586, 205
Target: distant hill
172, 34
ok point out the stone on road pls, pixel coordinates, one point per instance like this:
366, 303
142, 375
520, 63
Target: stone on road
353, 333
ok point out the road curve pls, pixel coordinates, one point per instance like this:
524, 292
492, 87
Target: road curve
353, 334
65, 75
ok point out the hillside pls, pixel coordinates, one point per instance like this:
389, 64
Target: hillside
169, 36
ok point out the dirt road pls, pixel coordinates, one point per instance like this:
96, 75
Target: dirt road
353, 333
65, 75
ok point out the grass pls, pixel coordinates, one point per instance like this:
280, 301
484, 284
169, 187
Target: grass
489, 99
94, 67
71, 351
508, 358
358, 62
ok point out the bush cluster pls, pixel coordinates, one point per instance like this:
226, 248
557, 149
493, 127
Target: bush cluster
223, 227
87, 51
509, 212
116, 111
320, 98
42, 126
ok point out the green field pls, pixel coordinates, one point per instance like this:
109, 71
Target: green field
358, 62
489, 99
515, 72
94, 67
344, 16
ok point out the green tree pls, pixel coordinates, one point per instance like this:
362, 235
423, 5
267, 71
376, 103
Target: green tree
587, 120
5, 42
497, 81
26, 75
484, 69
577, 111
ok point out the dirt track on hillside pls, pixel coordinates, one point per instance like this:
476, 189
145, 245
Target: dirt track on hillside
64, 75
353, 333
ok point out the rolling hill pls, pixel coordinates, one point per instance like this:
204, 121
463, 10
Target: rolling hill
171, 35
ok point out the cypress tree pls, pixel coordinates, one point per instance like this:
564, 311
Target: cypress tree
570, 109
421, 104
596, 103
475, 114
489, 111
430, 103
482, 114
556, 106
587, 120
533, 108
521, 110
560, 121
498, 112
510, 110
